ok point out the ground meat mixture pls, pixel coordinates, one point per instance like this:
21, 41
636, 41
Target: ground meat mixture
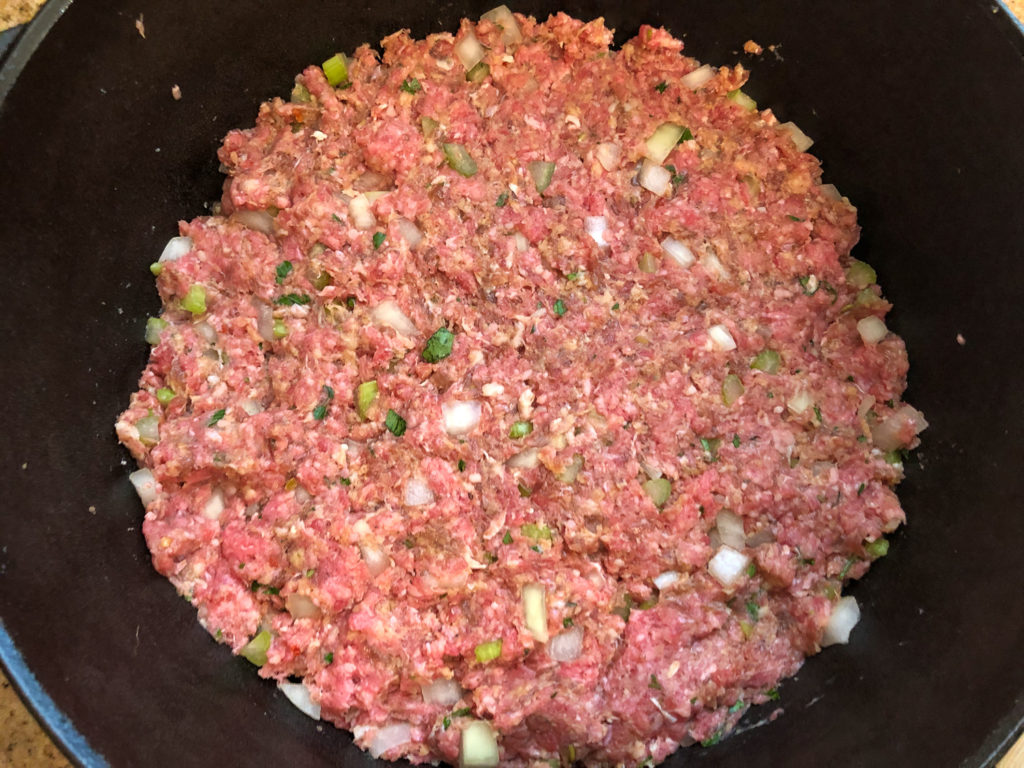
521, 399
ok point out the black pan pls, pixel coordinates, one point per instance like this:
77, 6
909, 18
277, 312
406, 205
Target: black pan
918, 111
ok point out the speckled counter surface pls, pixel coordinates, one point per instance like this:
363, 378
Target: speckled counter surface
23, 743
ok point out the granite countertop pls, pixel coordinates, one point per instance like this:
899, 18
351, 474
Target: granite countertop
23, 743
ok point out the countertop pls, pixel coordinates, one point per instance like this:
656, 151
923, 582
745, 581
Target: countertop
23, 743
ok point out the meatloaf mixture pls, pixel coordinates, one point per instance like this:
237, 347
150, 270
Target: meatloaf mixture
521, 401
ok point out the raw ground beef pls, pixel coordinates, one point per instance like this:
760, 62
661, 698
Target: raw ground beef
542, 406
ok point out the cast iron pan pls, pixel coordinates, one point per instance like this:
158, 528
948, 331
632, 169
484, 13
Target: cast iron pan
917, 108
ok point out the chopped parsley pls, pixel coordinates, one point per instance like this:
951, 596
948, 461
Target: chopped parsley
847, 567
567, 622
502, 200
326, 395
661, 87
772, 694
329, 657
411, 85
677, 177
735, 441
292, 299
572, 276
217, 416
394, 423
462, 712
462, 465
687, 136
438, 346
507, 538
615, 306
860, 489
283, 270
654, 683
791, 217
378, 239
736, 707
257, 587
560, 308
817, 414
753, 610
525, 491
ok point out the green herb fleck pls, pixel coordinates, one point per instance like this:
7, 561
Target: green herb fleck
462, 465
735, 441
411, 85
661, 87
560, 308
525, 491
350, 303
752, 609
791, 217
507, 538
283, 270
847, 567
329, 657
438, 346
654, 683
462, 712
336, 217
817, 414
877, 548
687, 136
394, 423
711, 446
520, 429
572, 276
292, 299
860, 489
567, 622
378, 239
615, 306
736, 707
752, 570
446, 723
217, 416
502, 200
772, 694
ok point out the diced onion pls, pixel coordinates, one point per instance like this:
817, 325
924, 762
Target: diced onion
802, 140
541, 171
871, 329
410, 232
214, 506
800, 402
301, 606
730, 529
728, 565
535, 609
460, 416
679, 252
360, 213
261, 221
298, 694
469, 51
845, 615
389, 737
265, 321
572, 469
831, 192
666, 579
206, 331
418, 493
479, 748
566, 646
176, 248
596, 227
527, 459
251, 407
896, 430
389, 314
697, 77
442, 692
376, 560
663, 141
502, 16
149, 429
654, 178
714, 266
145, 485
608, 154
522, 244
721, 338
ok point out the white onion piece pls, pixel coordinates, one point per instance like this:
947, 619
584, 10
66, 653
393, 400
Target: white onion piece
572, 470
666, 579
527, 459
721, 338
376, 560
261, 221
800, 402
654, 178
714, 266
206, 332
730, 529
418, 493
265, 321
389, 737
176, 248
251, 407
389, 314
360, 213
522, 244
298, 694
892, 433
460, 416
566, 646
844, 618
661, 143
301, 606
596, 227
214, 506
608, 154
478, 748
679, 252
831, 192
442, 692
802, 140
502, 16
535, 610
145, 485
871, 329
469, 51
148, 428
410, 232
728, 565
697, 77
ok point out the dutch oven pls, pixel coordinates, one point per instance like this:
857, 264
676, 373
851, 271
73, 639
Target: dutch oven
917, 109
